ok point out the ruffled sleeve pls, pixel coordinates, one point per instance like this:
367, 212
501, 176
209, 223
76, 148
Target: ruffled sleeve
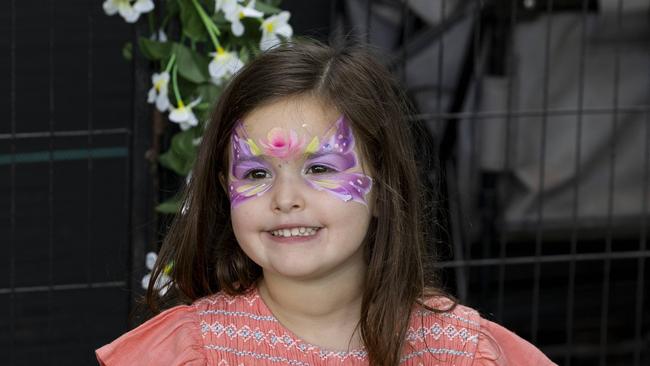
498, 346
170, 338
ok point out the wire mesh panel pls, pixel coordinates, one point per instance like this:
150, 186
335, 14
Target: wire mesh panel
64, 160
539, 111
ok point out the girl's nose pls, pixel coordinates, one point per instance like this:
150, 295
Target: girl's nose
288, 195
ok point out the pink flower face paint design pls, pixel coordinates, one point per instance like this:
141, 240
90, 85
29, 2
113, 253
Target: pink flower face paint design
246, 161
337, 155
334, 157
282, 144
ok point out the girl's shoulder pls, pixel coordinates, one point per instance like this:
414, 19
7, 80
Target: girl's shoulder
460, 332
171, 337
176, 336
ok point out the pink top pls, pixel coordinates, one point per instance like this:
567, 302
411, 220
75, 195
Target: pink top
222, 330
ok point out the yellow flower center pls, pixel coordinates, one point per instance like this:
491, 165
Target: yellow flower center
241, 15
270, 27
159, 84
181, 105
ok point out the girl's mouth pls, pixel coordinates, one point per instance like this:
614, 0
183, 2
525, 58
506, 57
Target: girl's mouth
299, 231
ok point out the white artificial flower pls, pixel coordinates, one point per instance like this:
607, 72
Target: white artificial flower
150, 260
123, 7
272, 27
129, 12
239, 12
158, 92
162, 283
227, 6
223, 64
143, 6
160, 36
183, 115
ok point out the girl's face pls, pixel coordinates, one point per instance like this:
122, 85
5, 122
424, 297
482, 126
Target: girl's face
300, 199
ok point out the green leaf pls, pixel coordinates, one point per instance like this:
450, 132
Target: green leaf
275, 3
267, 8
171, 8
154, 50
208, 92
187, 89
181, 155
182, 144
220, 20
191, 21
127, 51
202, 106
245, 54
172, 161
191, 65
251, 28
202, 114
170, 206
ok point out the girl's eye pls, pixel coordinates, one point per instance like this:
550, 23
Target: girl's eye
319, 169
257, 174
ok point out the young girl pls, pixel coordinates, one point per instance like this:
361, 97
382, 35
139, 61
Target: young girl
301, 242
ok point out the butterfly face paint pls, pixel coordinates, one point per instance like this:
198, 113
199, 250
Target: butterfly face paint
247, 160
282, 144
336, 153
331, 163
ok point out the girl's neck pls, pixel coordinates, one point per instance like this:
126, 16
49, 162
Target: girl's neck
322, 312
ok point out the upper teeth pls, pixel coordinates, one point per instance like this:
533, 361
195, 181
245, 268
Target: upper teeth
296, 231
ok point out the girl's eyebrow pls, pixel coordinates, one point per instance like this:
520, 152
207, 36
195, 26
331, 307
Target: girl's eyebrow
256, 159
319, 154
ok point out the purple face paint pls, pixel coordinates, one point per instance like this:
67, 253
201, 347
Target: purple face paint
245, 161
336, 153
335, 158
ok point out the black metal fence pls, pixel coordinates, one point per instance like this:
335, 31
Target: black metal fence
65, 168
539, 112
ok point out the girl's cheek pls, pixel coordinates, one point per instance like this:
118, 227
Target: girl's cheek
244, 190
343, 185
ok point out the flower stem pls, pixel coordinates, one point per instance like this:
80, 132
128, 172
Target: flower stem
171, 62
213, 30
177, 93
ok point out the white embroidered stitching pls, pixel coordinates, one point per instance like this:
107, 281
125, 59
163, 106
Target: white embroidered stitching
436, 351
424, 313
221, 297
436, 330
258, 356
270, 318
272, 339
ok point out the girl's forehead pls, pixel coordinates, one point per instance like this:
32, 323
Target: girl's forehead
305, 115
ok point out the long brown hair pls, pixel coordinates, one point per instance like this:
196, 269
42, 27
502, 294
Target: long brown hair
201, 243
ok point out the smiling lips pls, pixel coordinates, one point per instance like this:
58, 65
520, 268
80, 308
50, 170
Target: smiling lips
298, 231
